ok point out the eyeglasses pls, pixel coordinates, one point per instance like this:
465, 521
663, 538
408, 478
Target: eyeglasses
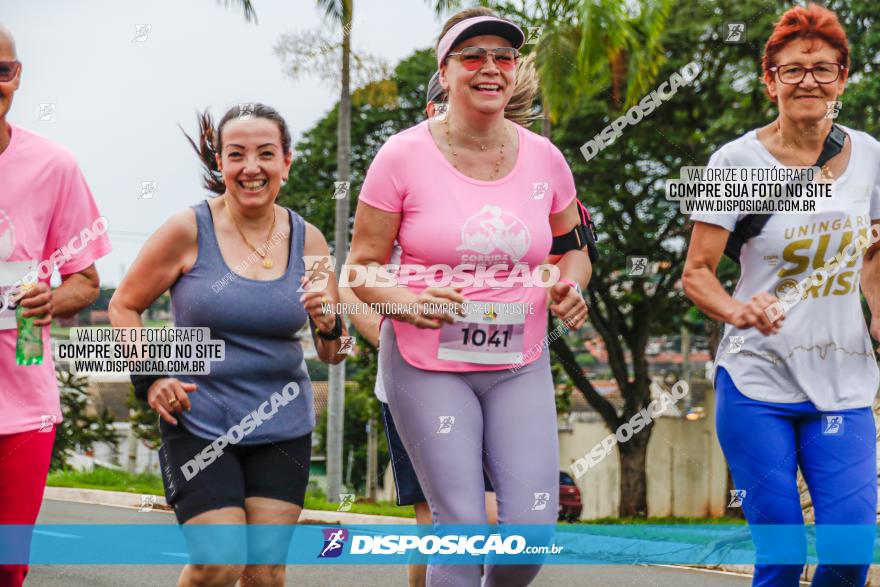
794, 73
472, 58
8, 69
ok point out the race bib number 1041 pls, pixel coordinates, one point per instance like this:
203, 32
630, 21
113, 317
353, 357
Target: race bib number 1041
489, 334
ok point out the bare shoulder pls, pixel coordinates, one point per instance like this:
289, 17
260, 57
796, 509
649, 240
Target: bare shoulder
176, 241
182, 225
315, 241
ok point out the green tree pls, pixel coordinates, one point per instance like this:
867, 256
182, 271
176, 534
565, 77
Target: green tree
144, 421
361, 408
312, 175
342, 13
80, 429
103, 301
623, 187
589, 48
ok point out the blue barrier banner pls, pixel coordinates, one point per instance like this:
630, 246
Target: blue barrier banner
578, 544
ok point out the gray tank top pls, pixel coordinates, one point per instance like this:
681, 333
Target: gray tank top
258, 320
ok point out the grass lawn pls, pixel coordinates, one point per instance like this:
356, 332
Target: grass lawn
669, 520
149, 484
107, 479
380, 508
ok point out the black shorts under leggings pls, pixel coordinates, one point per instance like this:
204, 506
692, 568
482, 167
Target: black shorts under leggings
277, 470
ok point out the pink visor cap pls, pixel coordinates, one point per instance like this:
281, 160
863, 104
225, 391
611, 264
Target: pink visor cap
479, 25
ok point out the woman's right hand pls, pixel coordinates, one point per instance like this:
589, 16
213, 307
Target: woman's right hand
754, 314
169, 395
423, 311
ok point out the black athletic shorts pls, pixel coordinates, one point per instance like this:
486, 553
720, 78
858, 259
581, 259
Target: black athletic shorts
277, 470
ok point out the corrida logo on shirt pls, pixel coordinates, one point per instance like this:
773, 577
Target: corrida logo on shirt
810, 245
494, 236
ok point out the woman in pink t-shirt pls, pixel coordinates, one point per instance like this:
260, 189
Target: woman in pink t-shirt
475, 202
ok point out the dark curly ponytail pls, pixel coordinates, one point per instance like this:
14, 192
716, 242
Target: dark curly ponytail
210, 142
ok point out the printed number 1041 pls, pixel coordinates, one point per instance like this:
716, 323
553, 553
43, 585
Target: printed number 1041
478, 337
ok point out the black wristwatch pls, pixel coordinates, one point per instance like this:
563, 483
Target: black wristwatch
333, 334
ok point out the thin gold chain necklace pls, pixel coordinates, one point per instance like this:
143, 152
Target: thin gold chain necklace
267, 262
482, 148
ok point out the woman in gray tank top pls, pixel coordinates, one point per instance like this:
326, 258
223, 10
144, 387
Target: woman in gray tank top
236, 442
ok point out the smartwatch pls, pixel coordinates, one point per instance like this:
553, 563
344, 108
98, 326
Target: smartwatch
333, 334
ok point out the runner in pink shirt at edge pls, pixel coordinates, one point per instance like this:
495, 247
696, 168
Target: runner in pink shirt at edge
472, 188
48, 219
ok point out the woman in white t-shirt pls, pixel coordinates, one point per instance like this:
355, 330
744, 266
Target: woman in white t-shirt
795, 387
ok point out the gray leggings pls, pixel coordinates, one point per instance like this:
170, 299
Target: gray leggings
504, 421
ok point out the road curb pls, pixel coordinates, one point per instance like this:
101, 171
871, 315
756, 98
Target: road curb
102, 497
136, 500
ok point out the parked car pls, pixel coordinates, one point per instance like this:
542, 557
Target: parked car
570, 505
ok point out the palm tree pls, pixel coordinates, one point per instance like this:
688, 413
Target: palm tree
605, 44
586, 46
250, 15
339, 12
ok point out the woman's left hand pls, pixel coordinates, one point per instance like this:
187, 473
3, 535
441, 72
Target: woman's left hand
316, 303
568, 305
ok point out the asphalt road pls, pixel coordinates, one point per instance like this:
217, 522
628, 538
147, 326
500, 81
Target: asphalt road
59, 512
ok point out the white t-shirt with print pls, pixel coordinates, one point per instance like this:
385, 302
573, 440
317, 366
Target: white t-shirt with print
823, 352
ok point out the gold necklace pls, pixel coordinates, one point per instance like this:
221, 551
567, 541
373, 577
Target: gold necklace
482, 148
267, 262
826, 171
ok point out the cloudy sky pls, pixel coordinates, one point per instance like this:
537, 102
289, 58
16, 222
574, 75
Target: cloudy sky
116, 95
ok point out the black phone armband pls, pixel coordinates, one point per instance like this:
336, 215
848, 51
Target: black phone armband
582, 235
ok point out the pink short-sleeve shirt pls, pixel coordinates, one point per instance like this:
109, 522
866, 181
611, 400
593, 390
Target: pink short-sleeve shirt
451, 219
48, 220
